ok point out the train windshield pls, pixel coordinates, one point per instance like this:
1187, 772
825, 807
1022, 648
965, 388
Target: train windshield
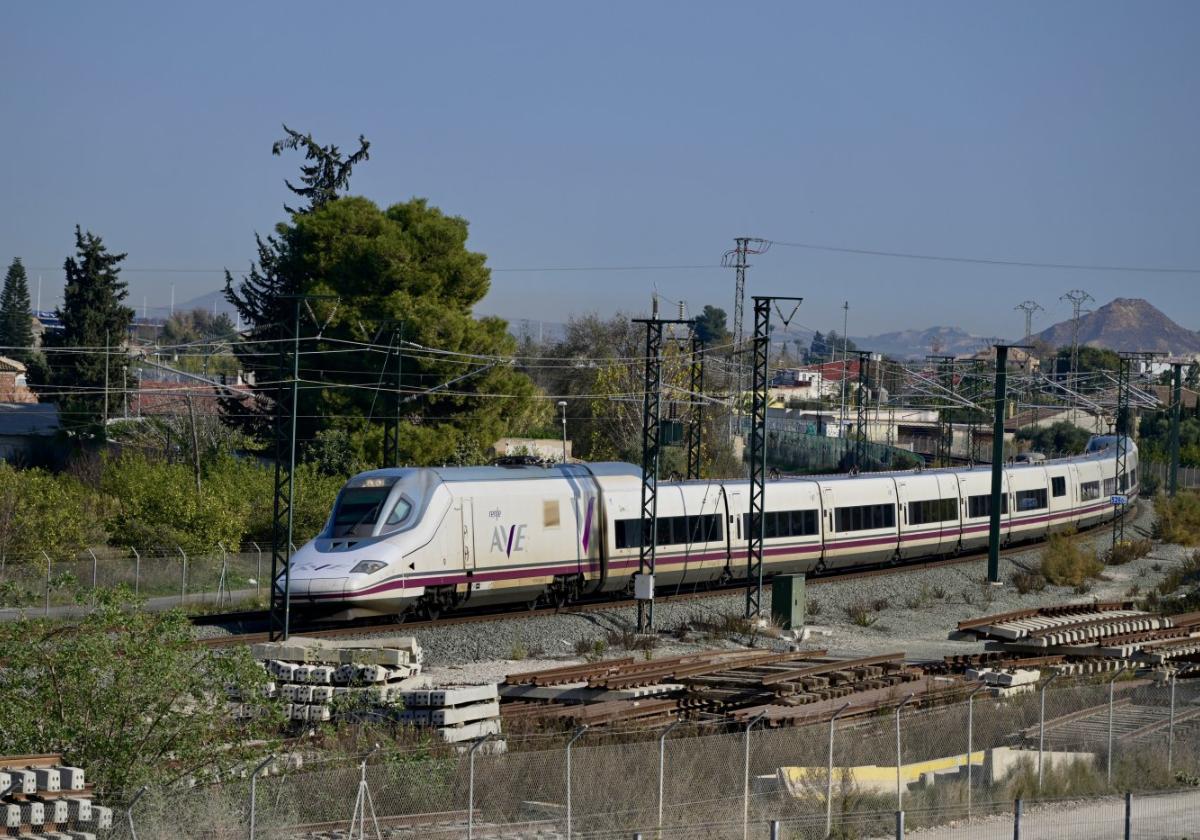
357, 511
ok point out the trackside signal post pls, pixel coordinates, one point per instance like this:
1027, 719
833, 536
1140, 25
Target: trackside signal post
651, 448
758, 445
995, 503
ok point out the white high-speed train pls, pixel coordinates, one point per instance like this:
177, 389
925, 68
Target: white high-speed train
429, 539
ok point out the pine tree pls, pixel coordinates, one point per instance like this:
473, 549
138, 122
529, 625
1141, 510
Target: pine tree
95, 326
16, 325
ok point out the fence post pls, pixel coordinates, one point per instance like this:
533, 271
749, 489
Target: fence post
1111, 685
470, 785
1171, 726
971, 742
578, 734
137, 570
829, 777
899, 825
746, 778
899, 787
129, 813
1128, 815
662, 762
1017, 820
254, 790
47, 556
221, 580
258, 574
774, 829
183, 578
1042, 726
95, 565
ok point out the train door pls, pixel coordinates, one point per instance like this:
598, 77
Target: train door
951, 523
465, 508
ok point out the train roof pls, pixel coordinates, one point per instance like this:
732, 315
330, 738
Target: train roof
514, 472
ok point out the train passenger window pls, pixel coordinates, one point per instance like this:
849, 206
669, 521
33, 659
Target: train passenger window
865, 517
932, 510
785, 523
1089, 491
1058, 486
1133, 478
629, 533
400, 512
1110, 486
1031, 499
981, 505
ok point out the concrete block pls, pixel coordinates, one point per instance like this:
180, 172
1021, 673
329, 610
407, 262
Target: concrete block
345, 673
469, 731
48, 779
81, 835
12, 815
417, 717
80, 808
322, 693
321, 675
33, 813
463, 714
23, 781
103, 817
459, 695
56, 810
303, 674
5, 782
319, 713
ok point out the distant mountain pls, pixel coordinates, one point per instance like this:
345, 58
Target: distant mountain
1126, 324
917, 344
213, 301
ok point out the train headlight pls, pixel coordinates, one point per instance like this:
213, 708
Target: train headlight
368, 567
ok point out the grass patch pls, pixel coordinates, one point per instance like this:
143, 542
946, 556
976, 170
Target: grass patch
861, 613
627, 639
1178, 518
1027, 582
1185, 573
1067, 563
1126, 551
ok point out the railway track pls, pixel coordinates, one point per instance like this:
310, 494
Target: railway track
506, 613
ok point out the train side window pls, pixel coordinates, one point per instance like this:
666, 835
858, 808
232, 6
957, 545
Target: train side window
1031, 499
1110, 486
1058, 486
629, 533
981, 505
866, 517
1089, 491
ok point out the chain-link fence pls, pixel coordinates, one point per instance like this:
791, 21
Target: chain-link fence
1067, 753
165, 576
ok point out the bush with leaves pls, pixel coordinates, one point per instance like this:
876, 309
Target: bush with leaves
1178, 518
43, 512
126, 694
1067, 563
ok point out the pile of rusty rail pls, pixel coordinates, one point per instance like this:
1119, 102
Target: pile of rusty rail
1105, 630
788, 686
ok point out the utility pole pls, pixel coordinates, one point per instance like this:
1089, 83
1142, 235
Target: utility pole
1078, 298
1124, 429
695, 430
995, 503
842, 411
735, 258
860, 423
287, 393
391, 425
758, 447
1176, 409
106, 365
651, 450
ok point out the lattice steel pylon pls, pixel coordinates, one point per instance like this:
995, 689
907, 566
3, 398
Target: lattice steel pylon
1029, 307
1124, 432
695, 430
391, 422
651, 450
944, 370
758, 447
860, 418
1078, 298
735, 258
287, 392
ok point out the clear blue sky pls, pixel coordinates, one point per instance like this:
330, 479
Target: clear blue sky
633, 134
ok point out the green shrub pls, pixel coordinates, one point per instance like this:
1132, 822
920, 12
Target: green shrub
1178, 518
1027, 582
44, 512
1127, 551
1067, 563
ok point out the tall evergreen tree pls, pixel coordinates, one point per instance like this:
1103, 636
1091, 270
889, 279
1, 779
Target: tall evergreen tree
16, 325
95, 326
326, 175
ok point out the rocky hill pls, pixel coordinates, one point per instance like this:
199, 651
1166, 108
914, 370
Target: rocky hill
1126, 324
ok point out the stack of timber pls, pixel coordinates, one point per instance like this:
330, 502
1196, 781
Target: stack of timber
312, 677
788, 686
1086, 635
44, 798
459, 713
